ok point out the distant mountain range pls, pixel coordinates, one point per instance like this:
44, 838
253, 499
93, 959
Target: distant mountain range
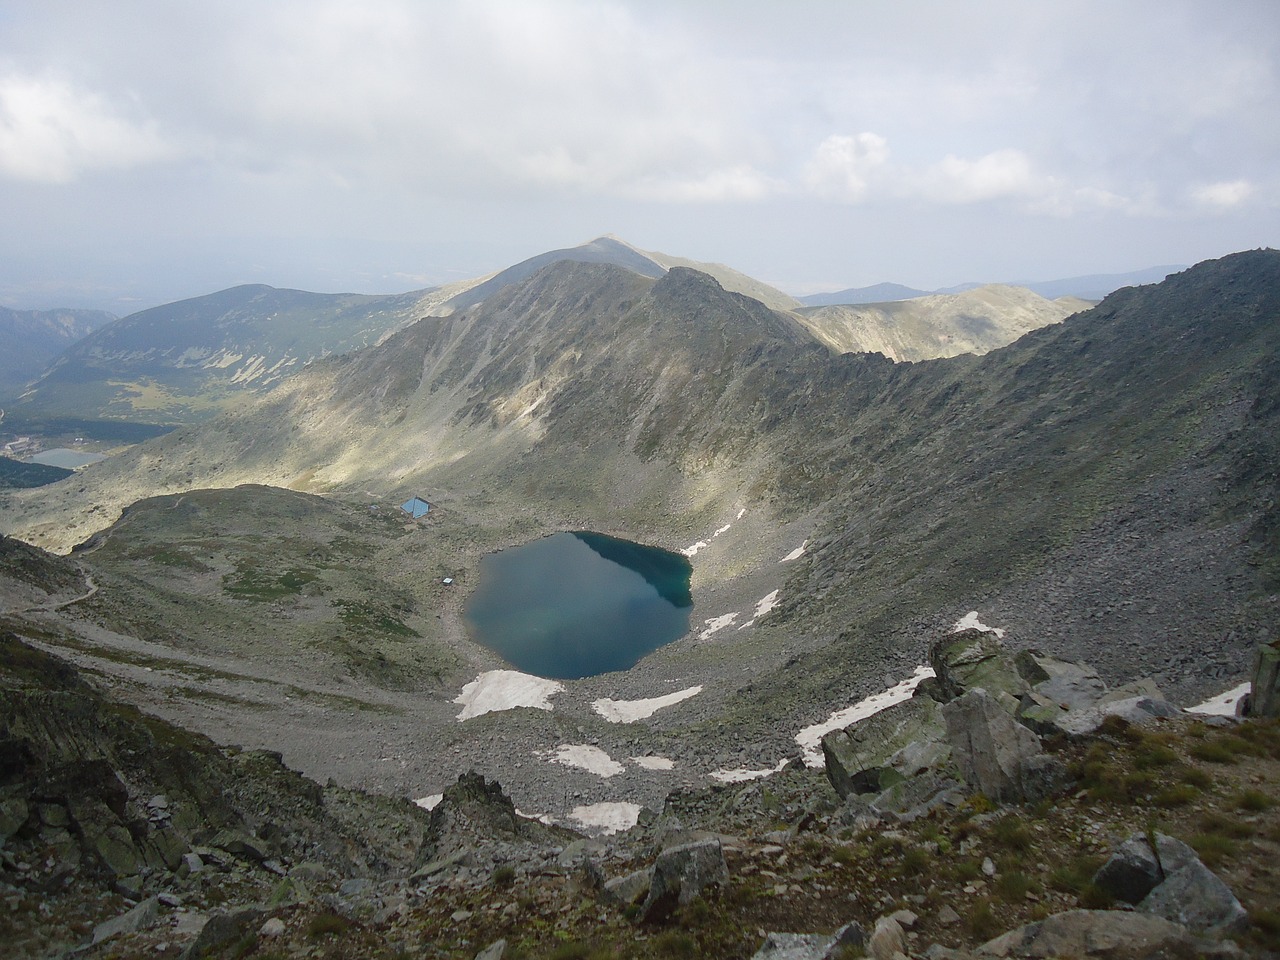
31, 339
187, 361
1091, 287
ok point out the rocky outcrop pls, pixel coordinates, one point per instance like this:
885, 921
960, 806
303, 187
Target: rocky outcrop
1196, 897
1264, 697
886, 748
1104, 933
1136, 868
975, 658
680, 874
996, 754
475, 816
845, 942
1168, 880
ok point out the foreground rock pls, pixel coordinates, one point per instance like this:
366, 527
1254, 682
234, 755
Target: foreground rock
996, 754
680, 874
1102, 933
886, 748
1169, 881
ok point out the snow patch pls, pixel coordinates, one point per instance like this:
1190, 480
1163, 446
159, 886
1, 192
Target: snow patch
431, 802
692, 551
795, 554
742, 776
810, 738
586, 757
629, 711
717, 623
764, 605
498, 690
607, 817
970, 621
654, 763
1224, 704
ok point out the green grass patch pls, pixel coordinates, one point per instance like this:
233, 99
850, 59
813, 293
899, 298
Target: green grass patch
1174, 795
1011, 833
1253, 801
1013, 886
981, 923
252, 583
327, 924
1195, 777
367, 618
1214, 849
1213, 751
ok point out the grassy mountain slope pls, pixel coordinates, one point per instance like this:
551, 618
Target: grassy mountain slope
943, 325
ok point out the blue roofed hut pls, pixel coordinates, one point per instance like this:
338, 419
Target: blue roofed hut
415, 507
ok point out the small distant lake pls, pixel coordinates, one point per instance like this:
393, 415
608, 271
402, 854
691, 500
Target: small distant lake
577, 604
66, 458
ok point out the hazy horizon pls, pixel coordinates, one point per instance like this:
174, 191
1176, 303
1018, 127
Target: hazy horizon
152, 152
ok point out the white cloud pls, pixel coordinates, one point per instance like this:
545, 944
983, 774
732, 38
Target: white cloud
52, 131
740, 184
843, 166
995, 176
1223, 196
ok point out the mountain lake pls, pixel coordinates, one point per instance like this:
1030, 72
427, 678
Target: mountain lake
66, 458
577, 604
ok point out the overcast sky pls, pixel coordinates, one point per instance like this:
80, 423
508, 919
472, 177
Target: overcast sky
154, 151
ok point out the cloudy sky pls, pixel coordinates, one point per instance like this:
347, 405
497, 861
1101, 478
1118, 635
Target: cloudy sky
156, 150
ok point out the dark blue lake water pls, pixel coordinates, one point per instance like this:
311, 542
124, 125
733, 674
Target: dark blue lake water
577, 604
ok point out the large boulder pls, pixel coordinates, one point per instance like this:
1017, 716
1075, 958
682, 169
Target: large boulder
1066, 684
886, 748
1137, 710
1104, 933
1196, 897
847, 941
994, 753
975, 658
1136, 868
1264, 698
680, 874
